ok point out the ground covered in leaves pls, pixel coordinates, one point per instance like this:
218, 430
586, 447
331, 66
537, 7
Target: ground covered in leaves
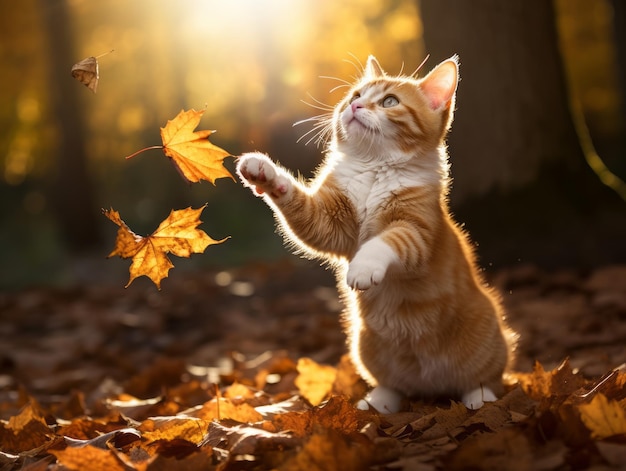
245, 370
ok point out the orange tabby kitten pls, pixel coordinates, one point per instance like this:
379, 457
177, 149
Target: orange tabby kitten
420, 320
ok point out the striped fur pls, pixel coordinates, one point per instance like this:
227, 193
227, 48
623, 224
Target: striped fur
420, 320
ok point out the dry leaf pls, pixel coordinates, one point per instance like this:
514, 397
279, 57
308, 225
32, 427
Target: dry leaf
178, 235
25, 431
88, 457
173, 427
560, 382
87, 73
329, 450
226, 409
193, 155
604, 418
315, 381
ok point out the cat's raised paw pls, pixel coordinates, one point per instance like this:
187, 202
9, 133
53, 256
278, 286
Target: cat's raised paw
259, 172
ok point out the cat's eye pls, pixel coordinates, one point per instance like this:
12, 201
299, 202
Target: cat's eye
390, 100
355, 97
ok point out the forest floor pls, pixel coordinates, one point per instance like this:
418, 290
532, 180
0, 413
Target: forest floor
245, 370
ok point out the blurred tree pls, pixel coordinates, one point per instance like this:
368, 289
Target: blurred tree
521, 182
72, 192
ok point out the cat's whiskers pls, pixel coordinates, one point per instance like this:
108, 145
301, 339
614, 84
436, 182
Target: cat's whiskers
414, 74
318, 104
321, 129
344, 82
356, 63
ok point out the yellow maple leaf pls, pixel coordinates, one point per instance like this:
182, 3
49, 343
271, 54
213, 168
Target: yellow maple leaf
178, 235
193, 155
603, 418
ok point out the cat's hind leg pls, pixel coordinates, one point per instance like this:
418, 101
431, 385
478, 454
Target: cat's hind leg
476, 398
384, 400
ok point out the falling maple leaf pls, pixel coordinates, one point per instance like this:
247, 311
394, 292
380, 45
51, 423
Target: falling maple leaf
193, 155
178, 235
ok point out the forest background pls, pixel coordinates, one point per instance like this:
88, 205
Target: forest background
252, 64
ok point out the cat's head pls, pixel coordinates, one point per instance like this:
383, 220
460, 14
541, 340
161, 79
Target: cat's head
403, 114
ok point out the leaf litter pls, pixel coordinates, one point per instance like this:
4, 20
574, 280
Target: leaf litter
198, 377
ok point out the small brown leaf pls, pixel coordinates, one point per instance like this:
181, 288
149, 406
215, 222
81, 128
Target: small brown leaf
86, 72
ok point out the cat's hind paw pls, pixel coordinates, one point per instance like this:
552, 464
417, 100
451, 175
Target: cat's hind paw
476, 398
259, 172
384, 400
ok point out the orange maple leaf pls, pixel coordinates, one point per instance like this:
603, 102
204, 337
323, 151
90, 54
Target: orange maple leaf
178, 235
193, 155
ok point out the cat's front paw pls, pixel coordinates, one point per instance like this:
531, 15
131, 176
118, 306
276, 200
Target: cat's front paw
257, 171
370, 264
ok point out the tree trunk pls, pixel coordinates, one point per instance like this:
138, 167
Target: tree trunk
521, 183
619, 30
72, 188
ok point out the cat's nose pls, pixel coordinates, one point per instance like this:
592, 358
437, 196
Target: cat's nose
356, 105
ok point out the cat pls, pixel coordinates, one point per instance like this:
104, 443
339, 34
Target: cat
419, 318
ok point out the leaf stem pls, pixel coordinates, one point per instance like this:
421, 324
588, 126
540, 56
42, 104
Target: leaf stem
142, 150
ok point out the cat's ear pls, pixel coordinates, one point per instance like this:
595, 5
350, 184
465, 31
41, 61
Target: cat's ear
440, 84
373, 69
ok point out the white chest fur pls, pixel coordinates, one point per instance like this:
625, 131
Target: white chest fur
369, 184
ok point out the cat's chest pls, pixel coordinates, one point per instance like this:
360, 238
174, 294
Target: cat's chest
370, 186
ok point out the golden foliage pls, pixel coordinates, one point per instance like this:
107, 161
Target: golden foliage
193, 155
177, 234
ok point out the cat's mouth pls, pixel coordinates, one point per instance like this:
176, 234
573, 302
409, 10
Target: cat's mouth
355, 121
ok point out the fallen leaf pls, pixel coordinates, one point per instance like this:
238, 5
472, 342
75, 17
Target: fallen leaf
541, 384
336, 414
178, 235
509, 450
241, 439
315, 381
25, 431
190, 429
88, 457
326, 450
193, 155
603, 418
86, 428
226, 409
348, 382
